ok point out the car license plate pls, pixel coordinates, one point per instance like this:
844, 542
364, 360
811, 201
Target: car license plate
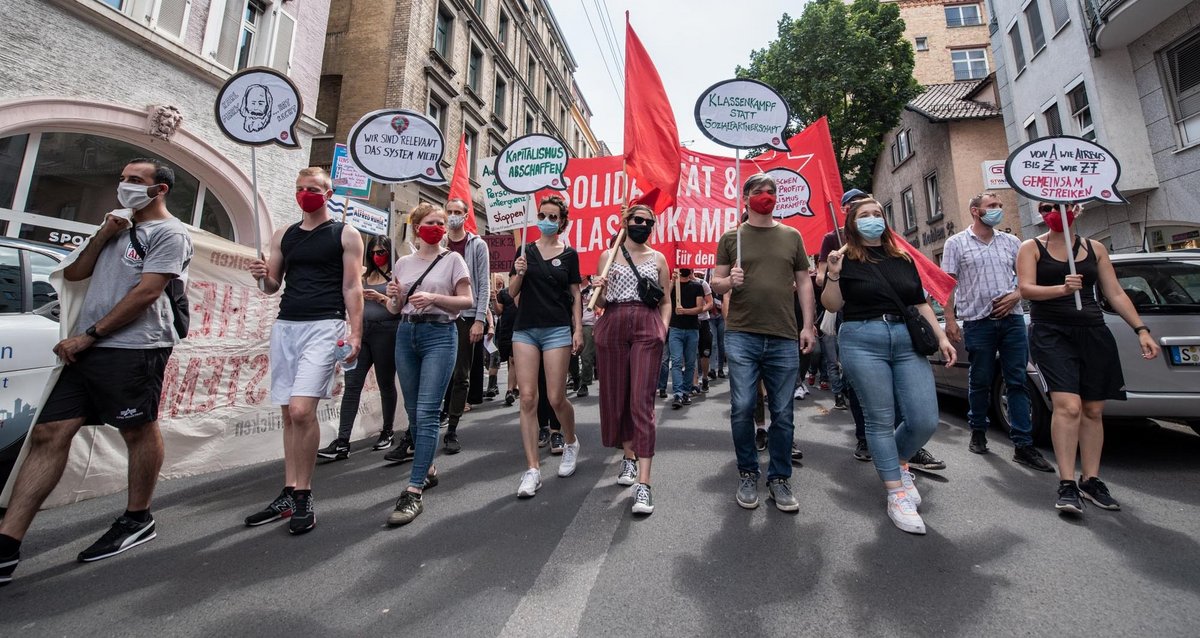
1185, 355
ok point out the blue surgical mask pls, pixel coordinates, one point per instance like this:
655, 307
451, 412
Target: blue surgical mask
870, 227
992, 216
548, 226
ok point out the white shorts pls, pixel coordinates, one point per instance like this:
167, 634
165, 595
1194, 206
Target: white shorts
303, 355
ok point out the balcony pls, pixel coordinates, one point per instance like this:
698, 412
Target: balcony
1113, 24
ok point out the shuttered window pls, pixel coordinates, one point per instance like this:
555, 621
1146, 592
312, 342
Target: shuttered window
1181, 67
170, 17
1060, 13
285, 33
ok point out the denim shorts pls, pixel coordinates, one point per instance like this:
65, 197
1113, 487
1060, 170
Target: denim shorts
544, 338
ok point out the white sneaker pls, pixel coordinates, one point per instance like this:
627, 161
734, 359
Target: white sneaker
642, 502
910, 487
801, 392
904, 514
569, 456
629, 472
531, 482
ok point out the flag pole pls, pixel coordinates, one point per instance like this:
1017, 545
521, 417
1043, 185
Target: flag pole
612, 255
262, 283
737, 177
1070, 251
829, 201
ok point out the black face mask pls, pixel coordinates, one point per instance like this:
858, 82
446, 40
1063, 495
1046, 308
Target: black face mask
685, 272
639, 233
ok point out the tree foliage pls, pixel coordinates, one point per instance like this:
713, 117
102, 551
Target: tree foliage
849, 62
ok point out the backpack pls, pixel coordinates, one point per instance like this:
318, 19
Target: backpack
176, 291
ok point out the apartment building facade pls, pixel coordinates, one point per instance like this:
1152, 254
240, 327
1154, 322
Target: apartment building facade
492, 70
83, 81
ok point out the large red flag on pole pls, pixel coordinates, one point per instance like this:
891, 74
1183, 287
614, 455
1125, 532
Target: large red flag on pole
651, 137
460, 185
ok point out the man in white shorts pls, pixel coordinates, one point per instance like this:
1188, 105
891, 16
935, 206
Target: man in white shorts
320, 261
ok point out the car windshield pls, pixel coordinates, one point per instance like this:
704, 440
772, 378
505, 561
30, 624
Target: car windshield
1165, 287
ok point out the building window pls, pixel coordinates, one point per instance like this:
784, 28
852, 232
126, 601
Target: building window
1181, 68
500, 97
1081, 112
1059, 13
239, 34
1033, 20
116, 4
901, 149
474, 69
531, 69
963, 15
889, 213
562, 119
969, 64
528, 124
922, 43
1053, 121
549, 97
1031, 131
437, 112
168, 17
502, 30
479, 7
910, 209
472, 155
443, 32
1014, 39
933, 197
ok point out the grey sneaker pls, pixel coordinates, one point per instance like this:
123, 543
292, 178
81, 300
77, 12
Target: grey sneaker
408, 507
747, 493
642, 503
781, 493
629, 472
570, 456
906, 479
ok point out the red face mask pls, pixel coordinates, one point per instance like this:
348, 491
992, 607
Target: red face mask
1055, 222
762, 203
310, 202
381, 260
431, 234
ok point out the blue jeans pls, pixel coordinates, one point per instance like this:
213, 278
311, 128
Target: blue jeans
833, 371
425, 356
718, 329
777, 362
684, 345
886, 372
664, 367
985, 338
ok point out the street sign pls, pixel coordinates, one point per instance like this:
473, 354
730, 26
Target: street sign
348, 181
993, 175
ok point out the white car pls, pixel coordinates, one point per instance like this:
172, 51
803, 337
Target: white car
28, 332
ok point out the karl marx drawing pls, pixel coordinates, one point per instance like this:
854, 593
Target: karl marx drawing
256, 108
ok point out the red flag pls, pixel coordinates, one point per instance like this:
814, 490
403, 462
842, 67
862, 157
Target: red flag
935, 281
651, 137
460, 185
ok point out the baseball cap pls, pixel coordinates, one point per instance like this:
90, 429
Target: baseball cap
851, 195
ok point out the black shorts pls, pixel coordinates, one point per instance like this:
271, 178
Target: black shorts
504, 348
1079, 360
118, 386
705, 339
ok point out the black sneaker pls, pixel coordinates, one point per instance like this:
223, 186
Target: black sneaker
978, 443
862, 452
431, 480
720, 374
408, 507
797, 454
281, 507
556, 443
337, 450
1068, 498
662, 393
304, 519
687, 399
543, 437
124, 534
760, 439
704, 385
582, 391
571, 384
923, 460
450, 443
385, 441
509, 397
8, 564
677, 402
444, 421
403, 450
1029, 456
711, 374
1096, 491
839, 402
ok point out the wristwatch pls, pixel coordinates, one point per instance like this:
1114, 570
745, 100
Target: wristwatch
93, 333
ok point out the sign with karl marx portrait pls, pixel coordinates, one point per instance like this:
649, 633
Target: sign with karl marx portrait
259, 106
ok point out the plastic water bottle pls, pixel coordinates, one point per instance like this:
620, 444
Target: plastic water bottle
343, 350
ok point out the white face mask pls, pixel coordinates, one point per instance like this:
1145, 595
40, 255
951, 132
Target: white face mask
456, 222
133, 195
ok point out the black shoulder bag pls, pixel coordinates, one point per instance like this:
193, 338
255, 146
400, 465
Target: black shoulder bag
924, 339
648, 290
176, 290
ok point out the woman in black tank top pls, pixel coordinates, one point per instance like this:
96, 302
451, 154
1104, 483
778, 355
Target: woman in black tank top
1074, 350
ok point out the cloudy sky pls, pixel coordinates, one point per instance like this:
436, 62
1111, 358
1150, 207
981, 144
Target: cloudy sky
694, 44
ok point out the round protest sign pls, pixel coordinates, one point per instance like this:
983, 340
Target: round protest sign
530, 163
398, 145
743, 114
791, 193
259, 106
1066, 170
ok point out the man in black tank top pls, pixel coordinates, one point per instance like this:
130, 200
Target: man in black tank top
318, 263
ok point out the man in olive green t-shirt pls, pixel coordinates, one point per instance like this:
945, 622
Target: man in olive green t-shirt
761, 334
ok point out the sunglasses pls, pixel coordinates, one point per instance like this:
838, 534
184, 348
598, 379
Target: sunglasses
641, 221
379, 252
1047, 208
552, 218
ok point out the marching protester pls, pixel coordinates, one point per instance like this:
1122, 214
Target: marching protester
717, 320
683, 338
113, 362
548, 329
587, 356
1074, 350
705, 347
630, 336
875, 284
430, 289
471, 323
765, 270
507, 307
495, 359
318, 263
378, 351
983, 261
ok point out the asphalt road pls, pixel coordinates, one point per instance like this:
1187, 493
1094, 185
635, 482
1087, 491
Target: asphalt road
997, 561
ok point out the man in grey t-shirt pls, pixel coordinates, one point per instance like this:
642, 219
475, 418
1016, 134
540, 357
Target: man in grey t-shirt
113, 361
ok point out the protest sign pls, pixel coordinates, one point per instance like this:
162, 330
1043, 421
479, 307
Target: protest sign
348, 181
1065, 170
259, 106
743, 114
368, 219
531, 163
505, 210
502, 250
398, 145
791, 193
